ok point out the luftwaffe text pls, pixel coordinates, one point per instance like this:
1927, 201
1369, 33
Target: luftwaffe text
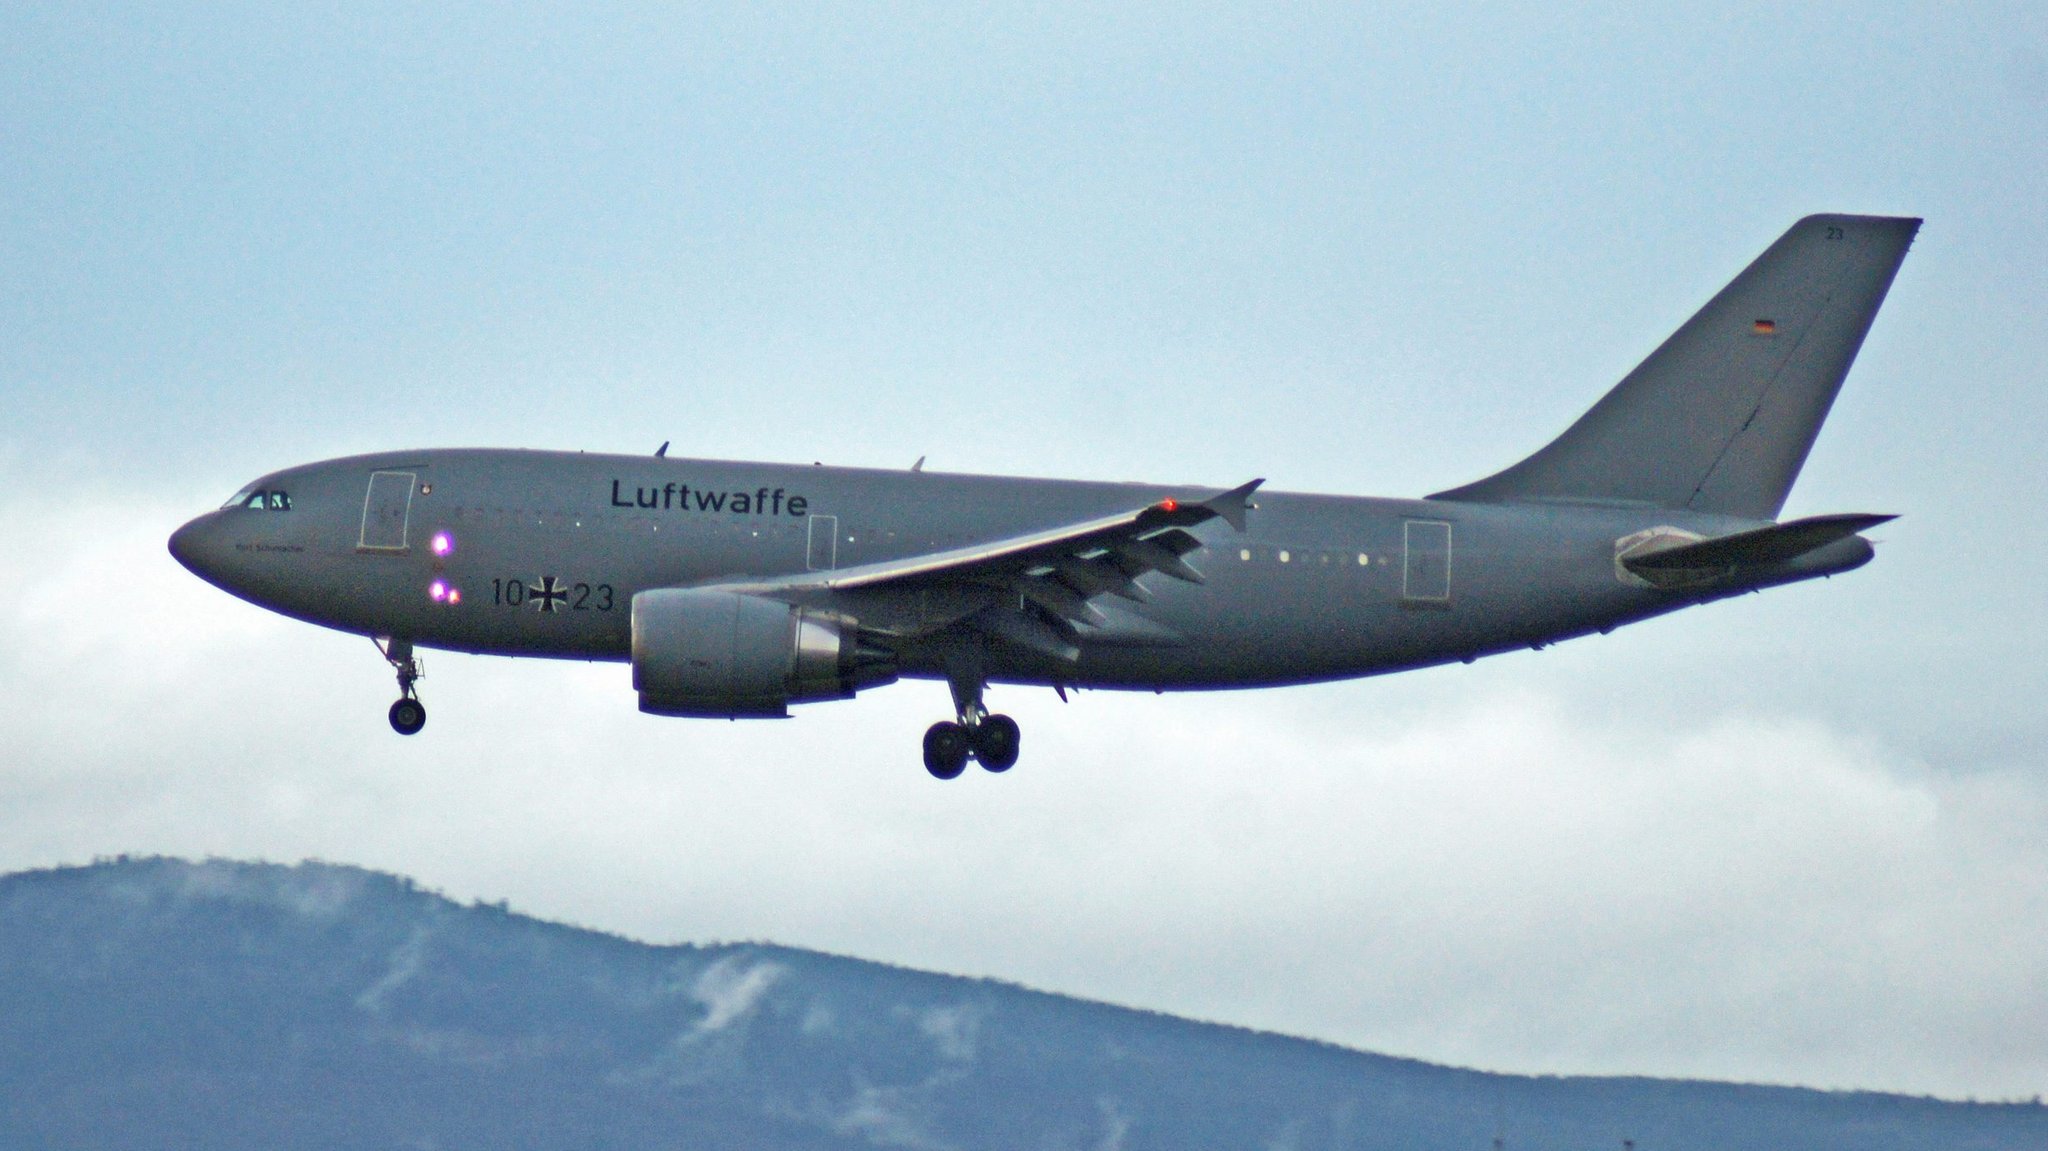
682, 497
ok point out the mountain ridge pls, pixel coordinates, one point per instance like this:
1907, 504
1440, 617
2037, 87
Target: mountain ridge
325, 1005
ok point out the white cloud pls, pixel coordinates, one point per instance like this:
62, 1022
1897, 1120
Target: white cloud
953, 1030
729, 988
883, 1116
1470, 865
402, 965
1115, 1124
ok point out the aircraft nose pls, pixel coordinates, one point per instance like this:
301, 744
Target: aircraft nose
193, 545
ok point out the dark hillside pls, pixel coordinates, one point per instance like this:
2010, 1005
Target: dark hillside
161, 1003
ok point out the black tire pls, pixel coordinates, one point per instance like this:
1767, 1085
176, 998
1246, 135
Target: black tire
408, 716
946, 746
996, 742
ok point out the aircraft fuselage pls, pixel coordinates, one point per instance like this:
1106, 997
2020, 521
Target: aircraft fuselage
541, 554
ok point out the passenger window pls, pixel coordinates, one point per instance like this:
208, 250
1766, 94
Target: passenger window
280, 502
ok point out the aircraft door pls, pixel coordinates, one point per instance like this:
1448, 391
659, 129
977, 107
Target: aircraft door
386, 510
1426, 562
823, 552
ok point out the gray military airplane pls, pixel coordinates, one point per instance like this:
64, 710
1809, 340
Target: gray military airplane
736, 589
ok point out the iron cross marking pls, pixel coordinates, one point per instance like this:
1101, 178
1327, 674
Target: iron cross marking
548, 596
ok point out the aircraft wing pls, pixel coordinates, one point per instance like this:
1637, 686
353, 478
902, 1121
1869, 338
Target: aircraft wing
1054, 575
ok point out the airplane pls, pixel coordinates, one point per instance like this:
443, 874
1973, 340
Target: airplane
736, 589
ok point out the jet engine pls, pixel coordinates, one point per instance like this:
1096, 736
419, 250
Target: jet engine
719, 654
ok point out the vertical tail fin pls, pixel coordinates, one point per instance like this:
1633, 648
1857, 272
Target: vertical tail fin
1720, 418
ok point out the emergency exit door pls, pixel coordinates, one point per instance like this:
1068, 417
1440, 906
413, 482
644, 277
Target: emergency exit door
386, 510
1426, 562
823, 552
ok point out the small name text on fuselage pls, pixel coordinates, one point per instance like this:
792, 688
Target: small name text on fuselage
682, 497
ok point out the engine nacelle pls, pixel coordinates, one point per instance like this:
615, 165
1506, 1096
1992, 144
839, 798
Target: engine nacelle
719, 654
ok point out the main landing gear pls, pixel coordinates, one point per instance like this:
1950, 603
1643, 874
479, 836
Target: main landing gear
991, 739
408, 715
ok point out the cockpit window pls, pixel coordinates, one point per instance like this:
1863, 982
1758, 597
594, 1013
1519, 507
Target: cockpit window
273, 499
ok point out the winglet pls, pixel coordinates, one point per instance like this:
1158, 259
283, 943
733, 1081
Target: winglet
1233, 504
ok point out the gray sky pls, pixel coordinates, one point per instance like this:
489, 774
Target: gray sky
1795, 838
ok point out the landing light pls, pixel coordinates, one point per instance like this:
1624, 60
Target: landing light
438, 590
442, 543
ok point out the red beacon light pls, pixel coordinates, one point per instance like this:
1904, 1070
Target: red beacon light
1169, 504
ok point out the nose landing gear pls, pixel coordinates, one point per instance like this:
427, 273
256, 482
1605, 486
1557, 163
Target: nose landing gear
993, 740
408, 715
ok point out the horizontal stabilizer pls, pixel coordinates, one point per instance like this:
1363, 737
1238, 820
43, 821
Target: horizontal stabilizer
1774, 544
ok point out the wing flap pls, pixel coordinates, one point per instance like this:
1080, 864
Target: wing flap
1028, 631
1158, 557
1093, 578
1060, 600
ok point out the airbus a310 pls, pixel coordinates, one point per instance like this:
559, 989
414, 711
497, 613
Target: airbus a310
736, 589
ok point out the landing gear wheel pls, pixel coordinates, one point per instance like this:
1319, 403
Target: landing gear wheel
945, 750
996, 740
991, 739
408, 716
